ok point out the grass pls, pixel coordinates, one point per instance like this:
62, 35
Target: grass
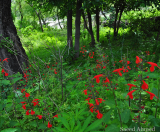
44, 84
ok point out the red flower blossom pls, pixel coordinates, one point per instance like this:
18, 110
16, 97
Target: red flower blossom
130, 94
144, 85
85, 92
55, 116
39, 116
131, 85
152, 66
97, 77
6, 59
138, 60
99, 115
49, 125
151, 95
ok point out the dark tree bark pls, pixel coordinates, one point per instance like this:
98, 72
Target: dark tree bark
119, 8
90, 29
118, 24
16, 63
39, 20
69, 28
77, 26
104, 14
115, 25
97, 23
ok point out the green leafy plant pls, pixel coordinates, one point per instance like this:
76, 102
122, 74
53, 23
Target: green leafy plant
93, 100
7, 43
110, 92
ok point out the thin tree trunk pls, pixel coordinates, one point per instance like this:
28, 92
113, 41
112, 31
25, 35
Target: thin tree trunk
115, 22
121, 11
77, 26
90, 28
69, 28
20, 10
40, 20
104, 14
97, 23
38, 16
58, 19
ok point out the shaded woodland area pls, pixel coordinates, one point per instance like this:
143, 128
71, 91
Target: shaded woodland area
47, 72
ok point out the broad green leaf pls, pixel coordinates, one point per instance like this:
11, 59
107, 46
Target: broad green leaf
42, 126
125, 115
76, 114
153, 75
64, 64
61, 129
33, 123
9, 130
94, 125
65, 115
155, 91
4, 82
78, 127
81, 111
110, 103
1, 121
87, 121
65, 123
107, 116
72, 123
96, 131
155, 122
158, 104
2, 106
16, 79
112, 128
120, 104
12, 123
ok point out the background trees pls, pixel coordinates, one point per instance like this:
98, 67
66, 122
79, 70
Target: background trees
60, 9
30, 11
52, 75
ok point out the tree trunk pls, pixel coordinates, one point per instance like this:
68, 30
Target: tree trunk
104, 14
119, 21
85, 25
38, 14
97, 23
115, 24
77, 26
90, 29
69, 28
43, 19
58, 19
20, 10
69, 31
40, 20
16, 63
